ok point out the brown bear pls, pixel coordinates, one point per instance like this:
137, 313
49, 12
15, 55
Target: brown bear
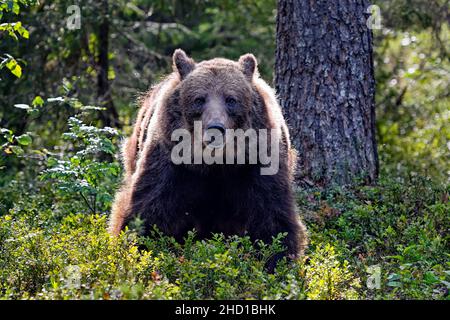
233, 199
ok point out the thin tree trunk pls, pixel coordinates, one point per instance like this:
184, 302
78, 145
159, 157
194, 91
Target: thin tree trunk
325, 82
109, 117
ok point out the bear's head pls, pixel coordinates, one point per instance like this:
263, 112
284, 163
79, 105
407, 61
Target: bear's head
218, 93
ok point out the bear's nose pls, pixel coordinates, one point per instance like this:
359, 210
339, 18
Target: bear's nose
217, 126
211, 138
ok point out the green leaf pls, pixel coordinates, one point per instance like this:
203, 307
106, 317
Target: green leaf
21, 30
38, 101
24, 33
17, 25
24, 139
394, 284
430, 278
16, 8
17, 150
52, 162
14, 67
75, 161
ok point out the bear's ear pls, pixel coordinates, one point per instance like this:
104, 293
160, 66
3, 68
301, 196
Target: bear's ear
182, 63
248, 65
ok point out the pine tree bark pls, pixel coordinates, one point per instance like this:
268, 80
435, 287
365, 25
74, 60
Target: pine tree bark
325, 82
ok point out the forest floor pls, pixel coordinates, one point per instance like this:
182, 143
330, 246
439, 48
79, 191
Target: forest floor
388, 241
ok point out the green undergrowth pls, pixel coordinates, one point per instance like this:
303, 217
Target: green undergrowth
400, 228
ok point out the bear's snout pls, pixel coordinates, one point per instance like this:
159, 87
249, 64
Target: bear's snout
215, 135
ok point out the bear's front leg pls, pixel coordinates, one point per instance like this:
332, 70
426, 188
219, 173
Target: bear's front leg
274, 212
294, 242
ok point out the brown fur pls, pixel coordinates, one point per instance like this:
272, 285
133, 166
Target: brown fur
232, 199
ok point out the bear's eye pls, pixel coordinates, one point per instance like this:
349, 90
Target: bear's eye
199, 101
230, 101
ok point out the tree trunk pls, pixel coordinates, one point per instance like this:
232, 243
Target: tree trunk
325, 82
109, 117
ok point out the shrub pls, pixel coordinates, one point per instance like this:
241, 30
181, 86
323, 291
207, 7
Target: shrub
86, 173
